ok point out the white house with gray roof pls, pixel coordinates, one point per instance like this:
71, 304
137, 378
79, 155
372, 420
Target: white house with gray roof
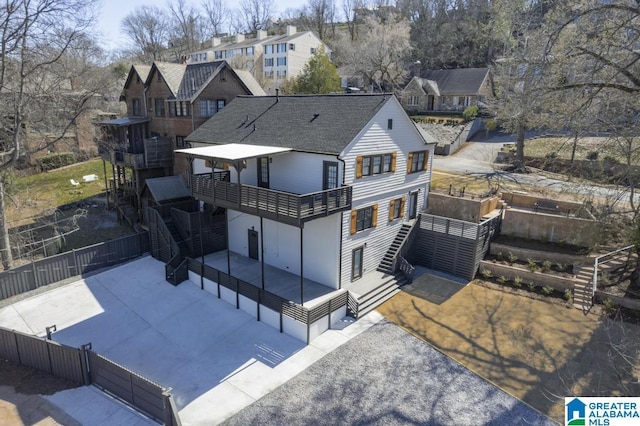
320, 186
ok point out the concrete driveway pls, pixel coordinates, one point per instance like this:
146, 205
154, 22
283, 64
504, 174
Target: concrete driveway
215, 358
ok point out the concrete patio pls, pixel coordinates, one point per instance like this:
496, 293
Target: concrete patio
216, 359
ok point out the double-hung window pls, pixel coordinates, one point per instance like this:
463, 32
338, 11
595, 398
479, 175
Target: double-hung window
417, 161
159, 107
364, 218
207, 107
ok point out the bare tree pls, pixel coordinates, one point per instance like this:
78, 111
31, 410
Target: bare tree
148, 30
186, 29
349, 8
37, 36
216, 14
252, 15
379, 53
318, 15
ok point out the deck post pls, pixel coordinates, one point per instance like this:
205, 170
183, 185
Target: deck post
301, 269
262, 250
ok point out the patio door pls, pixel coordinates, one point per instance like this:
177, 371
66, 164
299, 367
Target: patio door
253, 244
330, 175
263, 172
413, 205
356, 264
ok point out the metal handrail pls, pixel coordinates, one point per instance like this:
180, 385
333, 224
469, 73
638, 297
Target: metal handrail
597, 261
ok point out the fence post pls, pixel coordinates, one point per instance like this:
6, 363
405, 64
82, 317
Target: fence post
76, 269
49, 356
35, 274
84, 362
15, 339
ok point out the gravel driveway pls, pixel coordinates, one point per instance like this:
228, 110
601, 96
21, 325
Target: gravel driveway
386, 376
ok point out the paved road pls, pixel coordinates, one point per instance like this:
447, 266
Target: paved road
401, 381
476, 158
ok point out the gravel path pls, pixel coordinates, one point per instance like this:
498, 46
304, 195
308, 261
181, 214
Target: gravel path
386, 376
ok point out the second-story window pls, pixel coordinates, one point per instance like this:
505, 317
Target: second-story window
282, 47
207, 107
219, 54
268, 49
180, 143
250, 51
396, 208
364, 218
159, 107
136, 106
268, 62
417, 161
282, 61
181, 109
375, 164
219, 104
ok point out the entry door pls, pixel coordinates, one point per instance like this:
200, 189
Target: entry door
253, 244
413, 205
356, 264
330, 175
263, 172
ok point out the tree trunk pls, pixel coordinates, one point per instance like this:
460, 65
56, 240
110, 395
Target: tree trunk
518, 164
5, 245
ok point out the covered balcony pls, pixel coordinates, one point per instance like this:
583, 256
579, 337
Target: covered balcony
124, 142
284, 207
281, 206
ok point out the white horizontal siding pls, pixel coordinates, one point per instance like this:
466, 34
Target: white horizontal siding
295, 172
321, 245
381, 189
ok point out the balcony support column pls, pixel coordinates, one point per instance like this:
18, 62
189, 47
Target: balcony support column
262, 250
301, 267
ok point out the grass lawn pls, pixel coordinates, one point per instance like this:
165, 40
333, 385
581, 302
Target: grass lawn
563, 146
32, 195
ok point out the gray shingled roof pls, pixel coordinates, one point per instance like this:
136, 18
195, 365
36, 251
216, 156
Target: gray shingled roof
459, 81
311, 123
143, 71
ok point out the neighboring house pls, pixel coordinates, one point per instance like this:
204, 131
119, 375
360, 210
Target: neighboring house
165, 103
270, 59
319, 186
447, 90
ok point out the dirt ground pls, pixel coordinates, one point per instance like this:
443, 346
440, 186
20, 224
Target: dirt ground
20, 400
537, 351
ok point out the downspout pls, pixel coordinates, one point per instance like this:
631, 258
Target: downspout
144, 99
344, 168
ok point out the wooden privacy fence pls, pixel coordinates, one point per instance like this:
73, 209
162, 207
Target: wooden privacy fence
83, 367
76, 262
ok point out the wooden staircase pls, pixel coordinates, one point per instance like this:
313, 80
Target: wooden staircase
386, 264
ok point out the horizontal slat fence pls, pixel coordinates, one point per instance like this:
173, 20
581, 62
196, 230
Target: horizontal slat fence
127, 385
44, 355
272, 301
84, 367
69, 264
